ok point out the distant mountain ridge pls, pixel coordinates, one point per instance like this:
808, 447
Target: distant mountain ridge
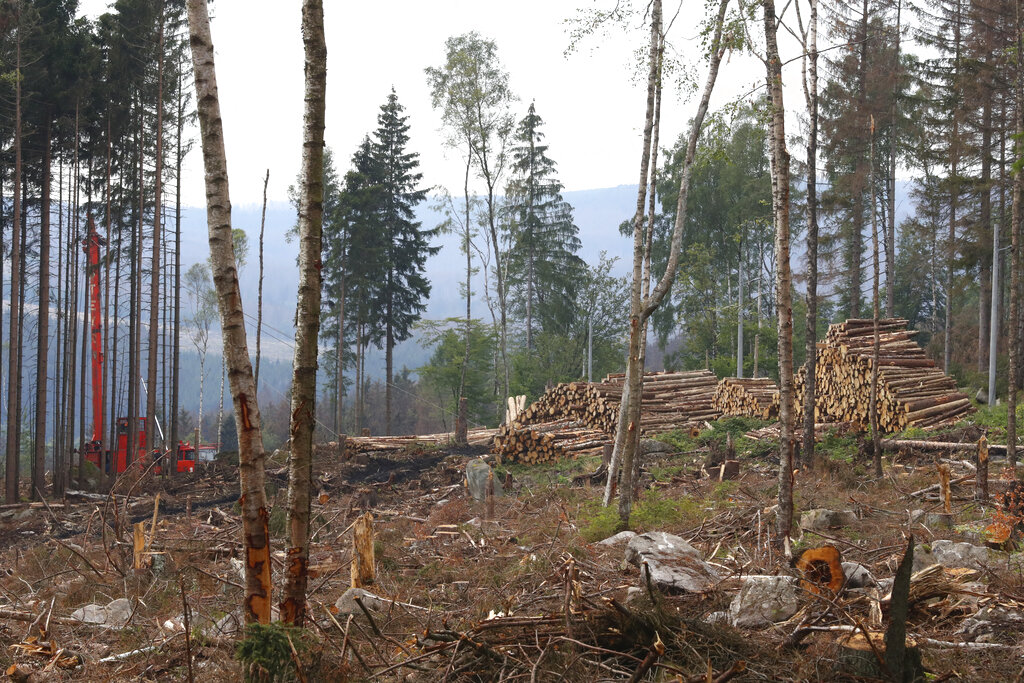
598, 214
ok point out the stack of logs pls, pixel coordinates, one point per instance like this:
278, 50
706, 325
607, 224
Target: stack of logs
578, 418
912, 391
383, 444
753, 397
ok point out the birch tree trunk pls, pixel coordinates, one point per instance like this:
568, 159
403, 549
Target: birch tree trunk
810, 381
876, 444
627, 436
251, 456
259, 290
780, 196
307, 314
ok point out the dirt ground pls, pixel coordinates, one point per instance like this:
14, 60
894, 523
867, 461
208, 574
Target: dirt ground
527, 595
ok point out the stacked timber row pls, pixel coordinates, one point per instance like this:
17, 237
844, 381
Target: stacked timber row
741, 397
580, 417
384, 444
912, 391
548, 441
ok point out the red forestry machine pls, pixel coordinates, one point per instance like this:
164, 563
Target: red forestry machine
118, 460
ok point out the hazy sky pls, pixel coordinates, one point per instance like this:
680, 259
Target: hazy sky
592, 106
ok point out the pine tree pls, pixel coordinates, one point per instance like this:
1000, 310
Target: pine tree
543, 268
403, 287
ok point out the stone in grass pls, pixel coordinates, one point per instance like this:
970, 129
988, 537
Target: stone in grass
764, 600
477, 472
114, 615
822, 518
618, 539
346, 604
674, 564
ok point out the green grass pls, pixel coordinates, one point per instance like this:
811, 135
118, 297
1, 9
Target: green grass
836, 447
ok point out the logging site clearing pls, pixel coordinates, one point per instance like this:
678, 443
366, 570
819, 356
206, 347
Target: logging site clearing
496, 560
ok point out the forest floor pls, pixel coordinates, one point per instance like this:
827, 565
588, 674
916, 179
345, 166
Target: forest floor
529, 594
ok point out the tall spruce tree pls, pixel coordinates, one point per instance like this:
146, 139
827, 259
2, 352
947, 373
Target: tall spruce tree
403, 286
543, 268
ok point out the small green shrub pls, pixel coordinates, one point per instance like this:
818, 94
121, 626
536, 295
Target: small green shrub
656, 511
836, 447
597, 522
266, 652
278, 521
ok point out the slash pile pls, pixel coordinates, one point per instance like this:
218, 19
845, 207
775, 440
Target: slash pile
912, 391
743, 397
580, 417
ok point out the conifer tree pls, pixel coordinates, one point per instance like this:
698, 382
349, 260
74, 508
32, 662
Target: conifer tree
543, 268
403, 286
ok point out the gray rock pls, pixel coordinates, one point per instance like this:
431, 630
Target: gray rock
718, 618
988, 621
618, 539
916, 516
90, 614
674, 564
764, 600
114, 615
953, 555
476, 480
827, 519
228, 625
857, 575
346, 604
651, 446
937, 520
119, 612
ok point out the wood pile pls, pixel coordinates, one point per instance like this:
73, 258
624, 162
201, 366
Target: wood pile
743, 397
912, 391
383, 444
580, 417
548, 441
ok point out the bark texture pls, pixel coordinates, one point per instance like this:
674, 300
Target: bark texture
641, 308
251, 456
780, 196
307, 314
812, 236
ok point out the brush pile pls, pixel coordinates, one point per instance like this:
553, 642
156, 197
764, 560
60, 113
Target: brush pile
580, 417
912, 391
742, 397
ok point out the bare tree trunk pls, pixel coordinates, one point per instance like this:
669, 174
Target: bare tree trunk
780, 192
14, 348
176, 343
876, 443
811, 346
469, 298
1018, 190
251, 455
890, 242
985, 219
307, 315
42, 328
627, 436
154, 291
739, 316
259, 294
624, 433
